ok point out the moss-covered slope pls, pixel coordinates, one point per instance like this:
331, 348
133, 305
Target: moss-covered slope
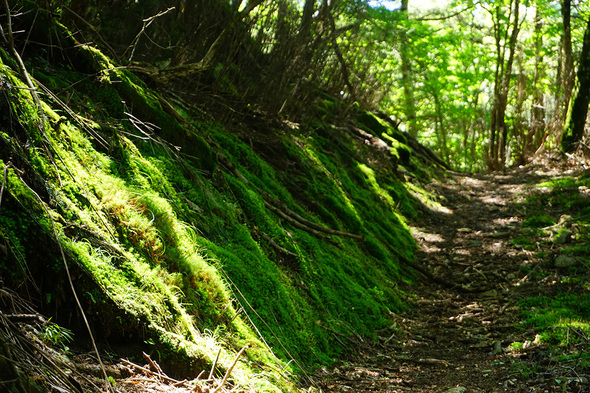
191, 235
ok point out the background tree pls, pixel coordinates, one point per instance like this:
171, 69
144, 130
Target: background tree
576, 120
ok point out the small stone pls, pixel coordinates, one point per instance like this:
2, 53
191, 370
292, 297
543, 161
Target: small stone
491, 294
463, 230
459, 389
565, 261
498, 347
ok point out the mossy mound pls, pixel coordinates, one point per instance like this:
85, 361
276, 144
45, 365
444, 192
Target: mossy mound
190, 235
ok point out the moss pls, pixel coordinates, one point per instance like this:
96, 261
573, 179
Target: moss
173, 249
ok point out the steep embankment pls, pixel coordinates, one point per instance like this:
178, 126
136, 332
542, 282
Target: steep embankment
189, 237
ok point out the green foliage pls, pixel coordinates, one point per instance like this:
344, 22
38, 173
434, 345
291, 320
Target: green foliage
563, 319
525, 370
539, 220
56, 335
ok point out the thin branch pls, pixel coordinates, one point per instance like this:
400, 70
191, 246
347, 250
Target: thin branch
146, 23
93, 29
229, 370
3, 183
165, 377
214, 364
279, 248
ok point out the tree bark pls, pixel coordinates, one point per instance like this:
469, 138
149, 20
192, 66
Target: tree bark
568, 59
407, 76
537, 131
576, 119
498, 129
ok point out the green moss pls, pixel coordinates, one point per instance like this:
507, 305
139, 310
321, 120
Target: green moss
538, 221
173, 249
554, 318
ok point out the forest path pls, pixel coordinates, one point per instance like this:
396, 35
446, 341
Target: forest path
456, 339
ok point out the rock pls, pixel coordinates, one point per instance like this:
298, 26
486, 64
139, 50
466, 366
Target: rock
458, 389
565, 220
497, 347
491, 294
564, 236
464, 230
565, 261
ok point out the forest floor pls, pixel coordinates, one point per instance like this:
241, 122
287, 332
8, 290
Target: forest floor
472, 338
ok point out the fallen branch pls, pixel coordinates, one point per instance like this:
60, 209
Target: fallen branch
284, 212
27, 318
296, 223
147, 370
279, 205
274, 244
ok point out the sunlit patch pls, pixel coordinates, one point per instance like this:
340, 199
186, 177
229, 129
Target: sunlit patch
505, 221
463, 251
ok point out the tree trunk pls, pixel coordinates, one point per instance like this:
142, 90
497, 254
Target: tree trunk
499, 130
568, 59
576, 119
441, 128
537, 131
407, 76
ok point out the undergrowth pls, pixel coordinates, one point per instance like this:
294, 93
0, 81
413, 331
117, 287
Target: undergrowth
561, 321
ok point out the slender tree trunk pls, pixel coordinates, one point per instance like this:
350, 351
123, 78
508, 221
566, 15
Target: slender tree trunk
576, 119
537, 131
568, 59
520, 129
444, 149
493, 149
499, 129
506, 84
407, 76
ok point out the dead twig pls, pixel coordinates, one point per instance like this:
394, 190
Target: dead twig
214, 364
146, 23
274, 244
155, 365
287, 214
93, 29
229, 370
147, 370
279, 205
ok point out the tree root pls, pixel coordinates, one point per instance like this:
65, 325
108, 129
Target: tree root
281, 210
277, 247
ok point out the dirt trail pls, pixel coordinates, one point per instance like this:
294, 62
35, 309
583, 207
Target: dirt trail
456, 340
